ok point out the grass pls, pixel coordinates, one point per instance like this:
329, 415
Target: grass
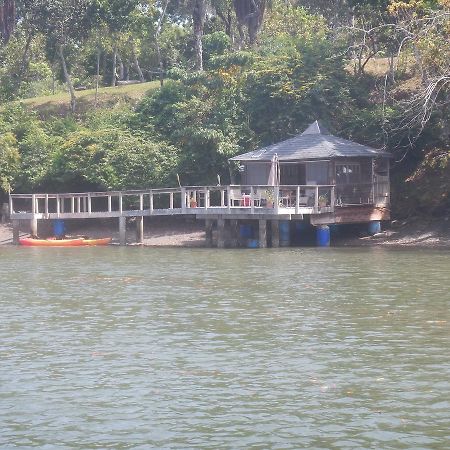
59, 104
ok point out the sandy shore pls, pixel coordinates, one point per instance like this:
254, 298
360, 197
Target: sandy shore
167, 232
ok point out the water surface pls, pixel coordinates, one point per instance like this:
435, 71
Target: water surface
195, 348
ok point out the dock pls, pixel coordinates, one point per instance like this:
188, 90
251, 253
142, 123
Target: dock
220, 206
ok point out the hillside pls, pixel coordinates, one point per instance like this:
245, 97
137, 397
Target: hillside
59, 104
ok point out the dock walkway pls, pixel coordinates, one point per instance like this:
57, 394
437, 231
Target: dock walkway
220, 203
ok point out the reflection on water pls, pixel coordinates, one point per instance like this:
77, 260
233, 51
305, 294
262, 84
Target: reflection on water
165, 348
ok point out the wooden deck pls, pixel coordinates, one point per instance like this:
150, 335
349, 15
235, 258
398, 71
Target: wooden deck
210, 203
200, 201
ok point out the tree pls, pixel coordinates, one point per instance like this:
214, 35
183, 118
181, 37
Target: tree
249, 13
7, 19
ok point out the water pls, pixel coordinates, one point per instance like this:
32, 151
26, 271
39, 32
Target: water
180, 348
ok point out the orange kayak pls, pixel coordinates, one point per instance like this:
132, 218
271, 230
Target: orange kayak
101, 241
52, 242
31, 242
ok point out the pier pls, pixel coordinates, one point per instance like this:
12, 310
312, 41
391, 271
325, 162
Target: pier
224, 207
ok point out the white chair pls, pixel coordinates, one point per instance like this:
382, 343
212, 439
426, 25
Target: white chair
235, 196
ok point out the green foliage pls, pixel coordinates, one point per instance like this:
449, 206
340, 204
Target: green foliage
110, 159
9, 160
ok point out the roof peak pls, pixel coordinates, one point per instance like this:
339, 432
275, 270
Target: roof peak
316, 127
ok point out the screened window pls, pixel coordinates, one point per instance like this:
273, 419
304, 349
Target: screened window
348, 173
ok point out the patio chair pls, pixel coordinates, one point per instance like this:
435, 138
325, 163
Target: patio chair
236, 196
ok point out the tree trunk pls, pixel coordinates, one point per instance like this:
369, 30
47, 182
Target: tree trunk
67, 78
114, 65
419, 62
121, 67
157, 46
136, 63
198, 18
97, 77
25, 60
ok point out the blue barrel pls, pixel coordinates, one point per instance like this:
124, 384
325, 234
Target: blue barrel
58, 228
253, 243
323, 236
246, 231
374, 227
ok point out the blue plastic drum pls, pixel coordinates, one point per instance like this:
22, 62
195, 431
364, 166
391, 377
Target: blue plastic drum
323, 236
58, 228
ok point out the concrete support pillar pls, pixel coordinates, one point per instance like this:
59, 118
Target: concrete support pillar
123, 230
262, 233
234, 233
220, 233
140, 229
209, 232
275, 234
33, 227
16, 231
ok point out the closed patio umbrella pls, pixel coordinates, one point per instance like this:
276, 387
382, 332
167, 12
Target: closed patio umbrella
274, 173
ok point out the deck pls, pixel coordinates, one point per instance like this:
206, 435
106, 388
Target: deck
324, 204
200, 201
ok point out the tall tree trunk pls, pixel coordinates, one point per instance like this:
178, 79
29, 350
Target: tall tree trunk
97, 75
7, 19
25, 60
121, 67
157, 46
419, 62
68, 78
114, 65
198, 18
136, 63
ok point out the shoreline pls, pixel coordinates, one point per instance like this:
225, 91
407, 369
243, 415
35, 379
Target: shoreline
414, 233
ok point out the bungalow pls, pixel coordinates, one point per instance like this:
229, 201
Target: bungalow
358, 173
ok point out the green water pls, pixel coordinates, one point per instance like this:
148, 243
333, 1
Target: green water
253, 349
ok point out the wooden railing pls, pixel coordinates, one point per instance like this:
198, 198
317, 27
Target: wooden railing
255, 199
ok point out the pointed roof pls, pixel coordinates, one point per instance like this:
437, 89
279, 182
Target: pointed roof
316, 127
316, 142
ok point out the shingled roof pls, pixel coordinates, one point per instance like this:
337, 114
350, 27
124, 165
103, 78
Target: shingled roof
315, 142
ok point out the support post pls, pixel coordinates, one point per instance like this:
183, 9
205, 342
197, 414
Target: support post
122, 230
221, 233
234, 233
140, 229
275, 233
209, 232
16, 231
33, 227
262, 233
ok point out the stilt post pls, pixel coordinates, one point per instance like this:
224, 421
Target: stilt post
275, 233
140, 229
221, 233
16, 231
122, 230
262, 233
209, 232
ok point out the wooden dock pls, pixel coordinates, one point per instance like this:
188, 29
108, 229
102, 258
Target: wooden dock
210, 203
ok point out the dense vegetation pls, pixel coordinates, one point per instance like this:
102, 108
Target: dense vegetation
229, 76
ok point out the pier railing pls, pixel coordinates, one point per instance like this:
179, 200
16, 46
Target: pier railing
246, 199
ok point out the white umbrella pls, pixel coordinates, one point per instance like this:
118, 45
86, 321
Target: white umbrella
274, 173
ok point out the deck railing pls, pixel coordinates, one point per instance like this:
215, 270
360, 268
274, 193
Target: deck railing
256, 199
